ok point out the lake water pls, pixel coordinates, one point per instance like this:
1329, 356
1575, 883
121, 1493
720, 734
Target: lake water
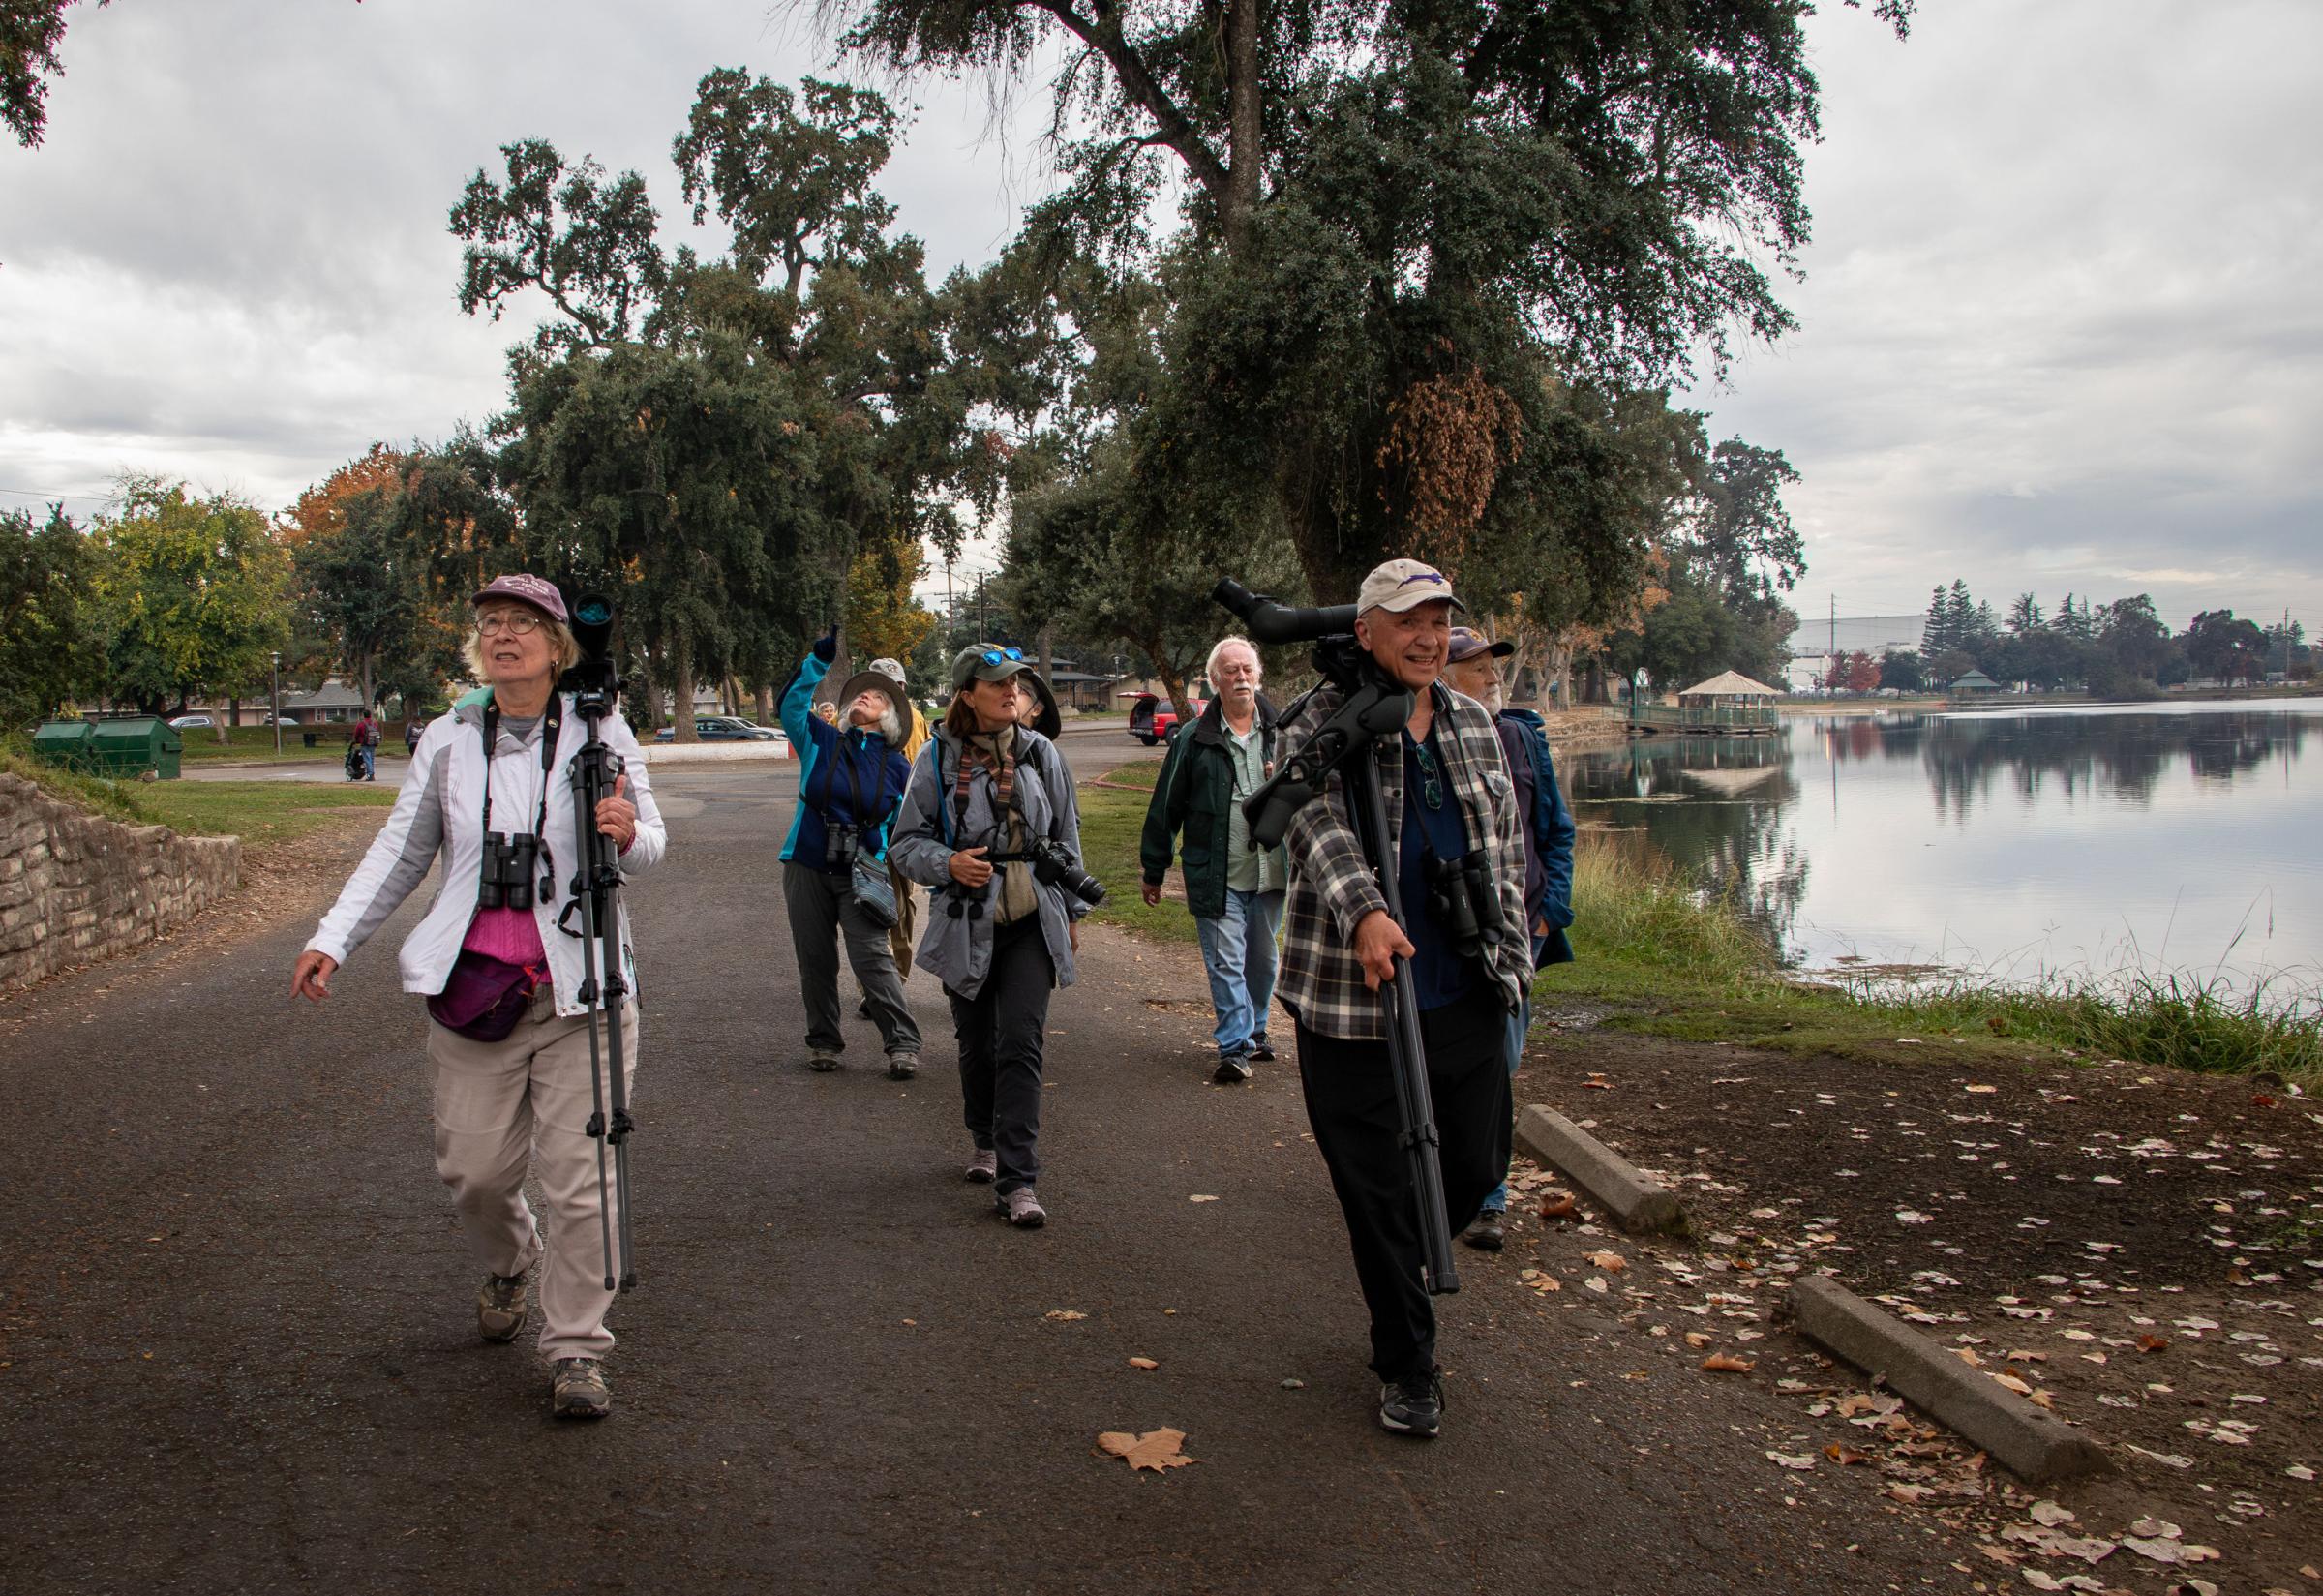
2010, 842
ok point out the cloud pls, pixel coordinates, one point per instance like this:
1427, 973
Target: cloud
2059, 322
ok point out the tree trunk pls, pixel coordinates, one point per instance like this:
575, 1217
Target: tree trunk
639, 693
1047, 645
765, 703
1247, 125
682, 685
1173, 681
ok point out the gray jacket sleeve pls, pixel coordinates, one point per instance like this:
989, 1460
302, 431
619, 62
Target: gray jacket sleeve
1065, 822
917, 847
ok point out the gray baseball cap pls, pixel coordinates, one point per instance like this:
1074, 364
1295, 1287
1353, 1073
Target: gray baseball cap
1403, 584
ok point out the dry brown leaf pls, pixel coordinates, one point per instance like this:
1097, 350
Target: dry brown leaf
1726, 1362
1845, 1456
1065, 1313
1202, 1197
1558, 1205
1143, 1363
2153, 1343
1699, 1337
1156, 1449
1613, 1263
2012, 1383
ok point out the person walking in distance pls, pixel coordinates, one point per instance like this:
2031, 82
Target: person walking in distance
366, 736
508, 1033
1473, 667
851, 777
1233, 889
987, 796
1453, 829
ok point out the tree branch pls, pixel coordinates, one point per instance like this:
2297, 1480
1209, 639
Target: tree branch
1102, 34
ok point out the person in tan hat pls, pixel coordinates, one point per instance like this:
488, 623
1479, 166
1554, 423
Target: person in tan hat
1447, 800
851, 777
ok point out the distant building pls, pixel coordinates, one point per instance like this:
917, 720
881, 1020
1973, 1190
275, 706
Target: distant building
333, 701
1814, 644
1972, 684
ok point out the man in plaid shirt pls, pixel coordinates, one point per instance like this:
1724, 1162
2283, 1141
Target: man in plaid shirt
1447, 793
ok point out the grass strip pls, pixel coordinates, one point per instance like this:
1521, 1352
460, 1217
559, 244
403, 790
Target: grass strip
260, 813
1112, 822
99, 796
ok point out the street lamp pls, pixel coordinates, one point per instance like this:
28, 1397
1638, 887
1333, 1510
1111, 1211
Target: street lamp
274, 695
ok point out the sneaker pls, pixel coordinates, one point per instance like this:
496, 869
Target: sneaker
1261, 1049
1413, 1407
501, 1306
983, 1166
822, 1063
1023, 1209
1233, 1069
902, 1067
579, 1391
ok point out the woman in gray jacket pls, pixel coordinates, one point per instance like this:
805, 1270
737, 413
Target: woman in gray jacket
984, 791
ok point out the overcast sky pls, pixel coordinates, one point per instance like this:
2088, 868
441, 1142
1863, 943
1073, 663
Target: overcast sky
2061, 327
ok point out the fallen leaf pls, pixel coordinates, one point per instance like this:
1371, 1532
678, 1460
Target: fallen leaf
2153, 1343
1156, 1449
1613, 1263
1980, 1088
1557, 1205
1201, 1197
1792, 1459
2157, 1551
1065, 1313
1726, 1362
2048, 1513
2012, 1383
1845, 1456
1912, 1215
1703, 1338
1143, 1363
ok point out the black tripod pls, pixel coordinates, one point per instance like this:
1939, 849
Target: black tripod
1373, 708
596, 895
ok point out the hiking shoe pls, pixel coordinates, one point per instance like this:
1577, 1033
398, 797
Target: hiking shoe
1023, 1209
902, 1067
1233, 1069
1261, 1049
1486, 1234
578, 1391
822, 1063
501, 1306
983, 1166
1413, 1407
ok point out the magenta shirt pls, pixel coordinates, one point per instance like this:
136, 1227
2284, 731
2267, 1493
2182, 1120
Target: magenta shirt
509, 935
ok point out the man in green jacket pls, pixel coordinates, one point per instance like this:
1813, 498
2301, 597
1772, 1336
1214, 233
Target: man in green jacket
1234, 890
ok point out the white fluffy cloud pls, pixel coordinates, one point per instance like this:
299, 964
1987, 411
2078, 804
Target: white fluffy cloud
2057, 333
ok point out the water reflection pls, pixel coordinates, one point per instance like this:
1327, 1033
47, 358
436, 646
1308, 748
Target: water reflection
2009, 841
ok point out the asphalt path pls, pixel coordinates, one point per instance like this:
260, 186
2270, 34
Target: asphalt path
239, 1351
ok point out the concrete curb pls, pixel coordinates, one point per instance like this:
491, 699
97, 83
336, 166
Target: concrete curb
711, 753
2035, 1444
1637, 1204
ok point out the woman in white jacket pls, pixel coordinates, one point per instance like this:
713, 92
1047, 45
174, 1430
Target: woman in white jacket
507, 1035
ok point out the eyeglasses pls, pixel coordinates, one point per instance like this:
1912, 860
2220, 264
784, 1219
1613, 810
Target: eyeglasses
994, 656
522, 622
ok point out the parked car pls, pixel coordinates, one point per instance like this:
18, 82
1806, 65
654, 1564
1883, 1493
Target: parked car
1154, 720
192, 723
725, 729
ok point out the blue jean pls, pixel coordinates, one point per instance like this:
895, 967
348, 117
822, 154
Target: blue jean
1238, 950
1520, 1024
371, 762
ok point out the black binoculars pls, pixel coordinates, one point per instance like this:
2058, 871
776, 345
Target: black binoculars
840, 845
1463, 904
505, 881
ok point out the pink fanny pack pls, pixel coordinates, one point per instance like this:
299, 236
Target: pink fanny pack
484, 997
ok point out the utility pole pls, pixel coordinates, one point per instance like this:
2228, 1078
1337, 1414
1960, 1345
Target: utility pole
984, 630
274, 695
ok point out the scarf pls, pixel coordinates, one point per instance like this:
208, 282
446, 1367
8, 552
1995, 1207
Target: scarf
995, 754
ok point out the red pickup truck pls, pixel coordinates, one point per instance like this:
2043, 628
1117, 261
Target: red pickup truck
1153, 719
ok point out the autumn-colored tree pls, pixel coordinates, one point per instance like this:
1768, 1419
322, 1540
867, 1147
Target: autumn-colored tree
882, 619
191, 595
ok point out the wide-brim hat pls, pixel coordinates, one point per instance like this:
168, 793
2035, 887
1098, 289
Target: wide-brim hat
1045, 721
527, 589
880, 675
1401, 584
986, 662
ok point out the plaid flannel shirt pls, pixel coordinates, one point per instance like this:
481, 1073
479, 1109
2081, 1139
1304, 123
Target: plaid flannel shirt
1332, 890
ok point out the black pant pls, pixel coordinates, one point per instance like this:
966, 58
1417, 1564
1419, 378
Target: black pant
1001, 1031
1352, 1105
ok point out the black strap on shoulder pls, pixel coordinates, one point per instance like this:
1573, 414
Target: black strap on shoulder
552, 721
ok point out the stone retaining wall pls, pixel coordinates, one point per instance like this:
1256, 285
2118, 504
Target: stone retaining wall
75, 888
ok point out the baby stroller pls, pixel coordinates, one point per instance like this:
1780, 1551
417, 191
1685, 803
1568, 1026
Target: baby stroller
354, 759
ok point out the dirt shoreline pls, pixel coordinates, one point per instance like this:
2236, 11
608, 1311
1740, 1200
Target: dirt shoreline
2140, 1246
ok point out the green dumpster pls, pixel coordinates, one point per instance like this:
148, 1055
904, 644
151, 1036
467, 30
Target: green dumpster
63, 742
127, 748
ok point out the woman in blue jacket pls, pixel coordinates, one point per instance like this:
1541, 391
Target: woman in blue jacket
851, 777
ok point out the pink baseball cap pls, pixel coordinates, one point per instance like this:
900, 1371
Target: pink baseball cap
540, 593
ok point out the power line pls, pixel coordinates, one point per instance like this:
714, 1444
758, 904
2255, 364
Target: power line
29, 492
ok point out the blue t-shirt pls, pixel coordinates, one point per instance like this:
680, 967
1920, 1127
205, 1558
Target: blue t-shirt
1439, 974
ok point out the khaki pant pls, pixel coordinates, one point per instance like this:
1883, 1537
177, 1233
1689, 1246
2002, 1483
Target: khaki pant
526, 1097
